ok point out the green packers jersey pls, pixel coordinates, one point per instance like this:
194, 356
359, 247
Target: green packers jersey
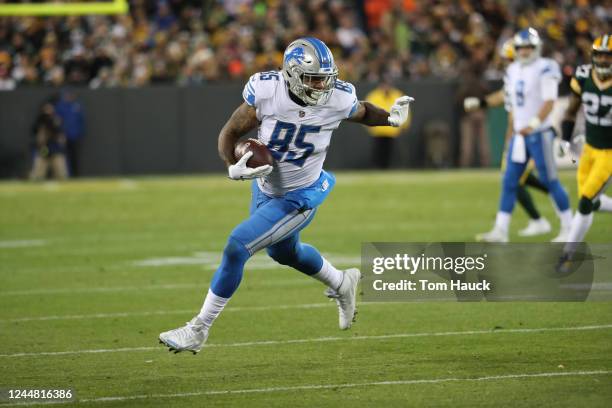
597, 105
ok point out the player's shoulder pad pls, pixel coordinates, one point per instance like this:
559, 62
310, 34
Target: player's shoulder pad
583, 71
345, 97
581, 74
549, 67
260, 86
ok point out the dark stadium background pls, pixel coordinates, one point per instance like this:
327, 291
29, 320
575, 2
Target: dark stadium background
158, 83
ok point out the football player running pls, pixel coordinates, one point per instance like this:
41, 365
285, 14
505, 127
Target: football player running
537, 223
531, 83
295, 111
592, 88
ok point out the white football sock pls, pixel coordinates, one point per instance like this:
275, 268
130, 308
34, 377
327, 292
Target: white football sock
329, 275
605, 203
502, 221
213, 305
580, 226
566, 218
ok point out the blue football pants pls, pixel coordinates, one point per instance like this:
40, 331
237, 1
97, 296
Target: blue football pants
274, 224
539, 147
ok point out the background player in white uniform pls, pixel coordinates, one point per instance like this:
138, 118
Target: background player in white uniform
531, 84
296, 111
537, 223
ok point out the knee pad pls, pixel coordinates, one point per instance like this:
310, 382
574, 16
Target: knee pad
235, 250
585, 206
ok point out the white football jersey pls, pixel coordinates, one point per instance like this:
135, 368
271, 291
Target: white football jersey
527, 87
298, 136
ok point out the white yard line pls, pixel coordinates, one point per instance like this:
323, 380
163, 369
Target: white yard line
308, 387
51, 186
169, 312
319, 340
210, 260
127, 184
59, 291
23, 243
605, 286
196, 285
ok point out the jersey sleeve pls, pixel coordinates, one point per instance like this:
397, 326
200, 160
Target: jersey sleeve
348, 98
260, 87
249, 93
580, 76
550, 76
550, 69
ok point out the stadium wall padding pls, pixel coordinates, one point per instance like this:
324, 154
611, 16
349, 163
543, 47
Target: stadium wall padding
170, 130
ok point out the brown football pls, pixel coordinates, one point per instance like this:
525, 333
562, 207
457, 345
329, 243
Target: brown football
261, 154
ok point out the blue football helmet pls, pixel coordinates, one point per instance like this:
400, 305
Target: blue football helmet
528, 37
310, 71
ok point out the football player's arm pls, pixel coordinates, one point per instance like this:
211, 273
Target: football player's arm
473, 103
545, 110
569, 119
537, 120
549, 89
369, 114
242, 121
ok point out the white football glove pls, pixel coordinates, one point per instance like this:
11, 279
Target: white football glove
571, 149
471, 103
400, 110
240, 171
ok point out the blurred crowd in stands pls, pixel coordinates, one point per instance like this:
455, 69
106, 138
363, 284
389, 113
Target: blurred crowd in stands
191, 42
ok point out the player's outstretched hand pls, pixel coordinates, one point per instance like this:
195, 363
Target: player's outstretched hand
399, 111
240, 171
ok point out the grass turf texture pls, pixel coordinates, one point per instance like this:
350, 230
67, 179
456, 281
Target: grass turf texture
71, 250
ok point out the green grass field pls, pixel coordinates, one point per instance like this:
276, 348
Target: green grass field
91, 271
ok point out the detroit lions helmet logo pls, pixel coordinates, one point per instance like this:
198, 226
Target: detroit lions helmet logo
298, 55
306, 61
